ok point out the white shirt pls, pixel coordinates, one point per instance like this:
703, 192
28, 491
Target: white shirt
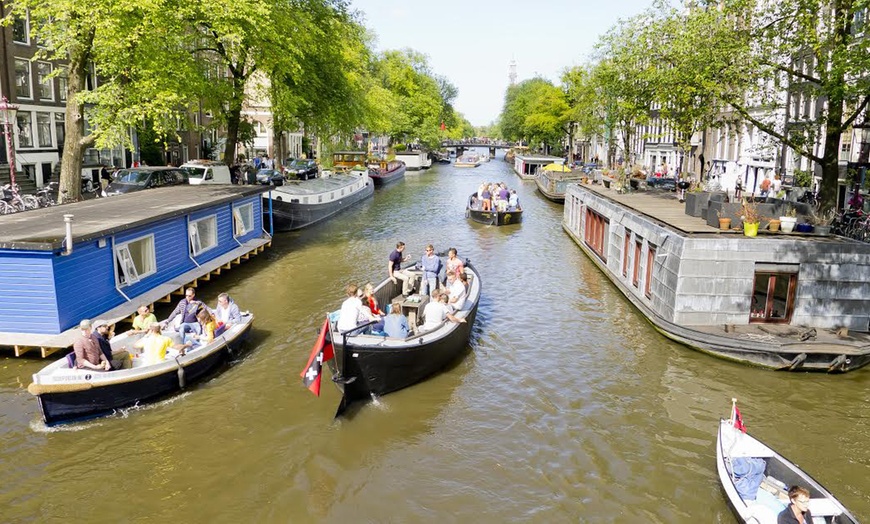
435, 313
457, 291
351, 314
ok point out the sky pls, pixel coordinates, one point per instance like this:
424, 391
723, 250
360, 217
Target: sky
472, 43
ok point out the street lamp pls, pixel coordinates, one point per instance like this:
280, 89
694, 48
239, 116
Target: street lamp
7, 115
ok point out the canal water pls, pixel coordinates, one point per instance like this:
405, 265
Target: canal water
567, 407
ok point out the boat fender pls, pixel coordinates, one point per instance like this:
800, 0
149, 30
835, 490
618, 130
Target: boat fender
797, 361
839, 364
181, 380
229, 351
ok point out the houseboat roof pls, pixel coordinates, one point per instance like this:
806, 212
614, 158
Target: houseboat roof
44, 229
541, 158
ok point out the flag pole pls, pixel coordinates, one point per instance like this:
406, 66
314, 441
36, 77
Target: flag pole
733, 410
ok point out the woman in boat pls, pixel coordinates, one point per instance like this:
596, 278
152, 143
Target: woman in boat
798, 511
486, 199
208, 324
370, 300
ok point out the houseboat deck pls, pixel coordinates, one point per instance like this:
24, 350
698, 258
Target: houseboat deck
697, 290
44, 229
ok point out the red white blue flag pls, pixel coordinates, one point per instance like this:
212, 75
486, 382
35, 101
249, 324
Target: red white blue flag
321, 353
738, 419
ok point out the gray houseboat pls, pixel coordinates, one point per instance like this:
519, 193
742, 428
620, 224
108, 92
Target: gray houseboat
784, 301
527, 166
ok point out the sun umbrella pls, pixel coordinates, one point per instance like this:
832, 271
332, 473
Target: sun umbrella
559, 168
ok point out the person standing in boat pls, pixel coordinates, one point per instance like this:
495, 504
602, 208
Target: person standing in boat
395, 271
798, 512
431, 265
187, 307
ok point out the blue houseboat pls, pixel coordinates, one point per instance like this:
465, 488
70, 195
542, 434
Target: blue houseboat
106, 257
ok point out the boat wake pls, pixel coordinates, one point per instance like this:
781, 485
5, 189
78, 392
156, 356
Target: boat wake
38, 426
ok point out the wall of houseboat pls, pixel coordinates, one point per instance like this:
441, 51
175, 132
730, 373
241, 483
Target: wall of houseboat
710, 279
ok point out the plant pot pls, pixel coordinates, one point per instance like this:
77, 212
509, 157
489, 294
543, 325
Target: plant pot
804, 228
750, 229
822, 230
788, 224
724, 223
606, 183
773, 225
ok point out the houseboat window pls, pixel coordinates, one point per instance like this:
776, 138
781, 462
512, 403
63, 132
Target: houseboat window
203, 234
650, 260
626, 245
772, 297
243, 219
597, 230
135, 260
635, 277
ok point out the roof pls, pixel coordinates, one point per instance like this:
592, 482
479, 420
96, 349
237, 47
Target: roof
44, 229
540, 158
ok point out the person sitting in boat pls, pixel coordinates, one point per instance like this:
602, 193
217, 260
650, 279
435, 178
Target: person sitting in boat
513, 200
187, 307
370, 300
431, 265
396, 324
155, 344
797, 511
87, 350
102, 333
395, 271
144, 318
208, 324
354, 313
226, 312
436, 312
454, 264
503, 193
456, 292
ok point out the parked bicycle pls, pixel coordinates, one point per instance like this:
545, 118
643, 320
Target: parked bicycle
15, 201
45, 196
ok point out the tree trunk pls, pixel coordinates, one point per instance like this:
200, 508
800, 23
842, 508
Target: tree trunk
830, 165
75, 143
234, 118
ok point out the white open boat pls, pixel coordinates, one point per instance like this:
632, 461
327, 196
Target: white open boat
66, 393
779, 473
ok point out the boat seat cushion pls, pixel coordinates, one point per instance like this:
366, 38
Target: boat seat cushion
762, 514
769, 500
823, 507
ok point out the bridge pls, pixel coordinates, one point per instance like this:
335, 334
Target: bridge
462, 145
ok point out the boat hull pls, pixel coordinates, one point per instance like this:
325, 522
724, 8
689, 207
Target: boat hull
98, 400
292, 215
382, 180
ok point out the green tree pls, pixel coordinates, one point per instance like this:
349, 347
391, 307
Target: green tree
125, 45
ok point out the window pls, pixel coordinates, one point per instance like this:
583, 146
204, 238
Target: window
635, 277
135, 260
597, 231
25, 130
243, 219
43, 129
62, 84
203, 235
626, 245
46, 89
22, 78
773, 297
20, 31
650, 261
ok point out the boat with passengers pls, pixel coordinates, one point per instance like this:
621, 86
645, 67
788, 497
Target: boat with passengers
373, 364
493, 212
66, 393
470, 159
755, 479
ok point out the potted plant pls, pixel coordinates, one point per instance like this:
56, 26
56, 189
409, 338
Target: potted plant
789, 220
750, 217
822, 221
724, 222
774, 224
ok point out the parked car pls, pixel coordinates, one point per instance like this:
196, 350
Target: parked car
666, 183
302, 169
139, 178
270, 176
207, 172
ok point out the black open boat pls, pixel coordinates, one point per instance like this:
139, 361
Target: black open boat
493, 218
368, 365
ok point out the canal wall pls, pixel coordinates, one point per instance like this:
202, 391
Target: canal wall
709, 279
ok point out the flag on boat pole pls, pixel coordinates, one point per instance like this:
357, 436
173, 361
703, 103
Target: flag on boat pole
321, 353
736, 418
